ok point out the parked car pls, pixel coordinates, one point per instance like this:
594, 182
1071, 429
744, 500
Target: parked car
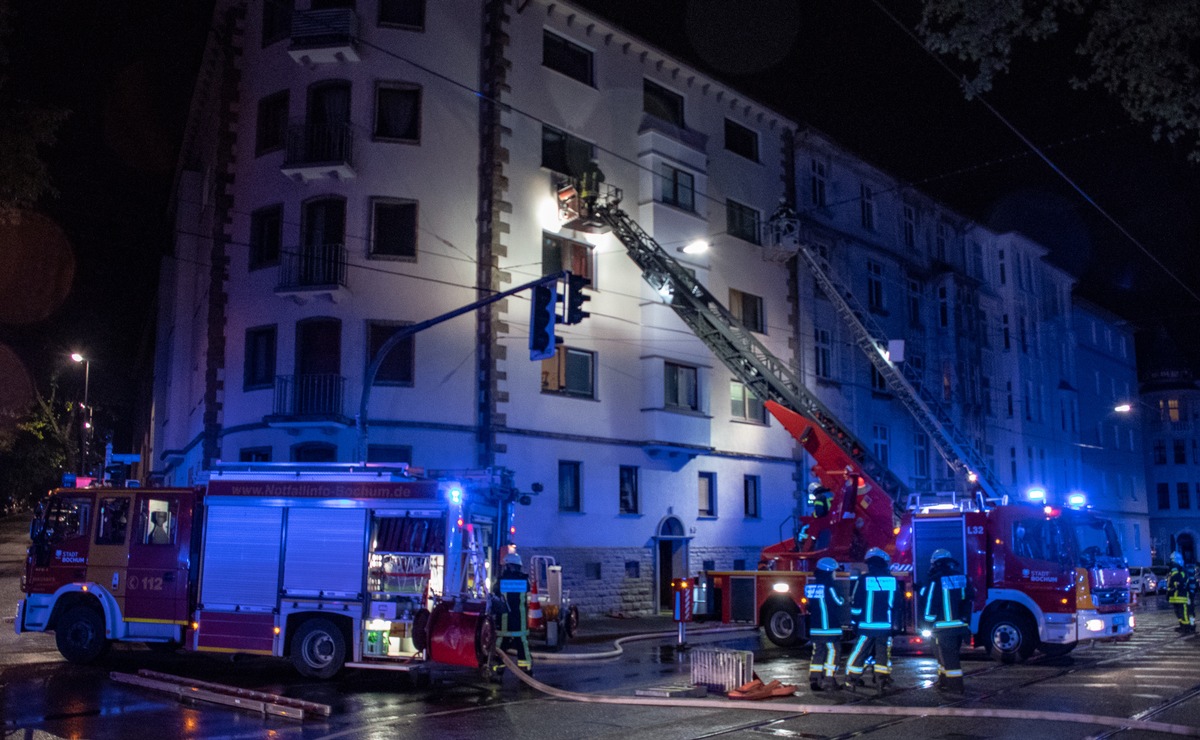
1160, 572
1143, 580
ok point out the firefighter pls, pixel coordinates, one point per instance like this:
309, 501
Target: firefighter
818, 497
514, 626
1179, 594
825, 626
944, 598
871, 614
589, 183
849, 492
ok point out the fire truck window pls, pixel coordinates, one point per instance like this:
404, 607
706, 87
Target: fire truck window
158, 523
113, 521
68, 517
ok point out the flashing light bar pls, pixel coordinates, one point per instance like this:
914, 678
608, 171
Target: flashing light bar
1077, 500
1036, 494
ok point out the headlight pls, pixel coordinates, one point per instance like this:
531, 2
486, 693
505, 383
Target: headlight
780, 588
926, 633
1094, 625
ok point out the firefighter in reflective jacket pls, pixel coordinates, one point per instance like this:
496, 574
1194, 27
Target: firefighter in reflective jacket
824, 626
514, 620
1179, 594
945, 601
871, 613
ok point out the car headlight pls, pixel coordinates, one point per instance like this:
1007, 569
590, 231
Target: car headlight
1094, 625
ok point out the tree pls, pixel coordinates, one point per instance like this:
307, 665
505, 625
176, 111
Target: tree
1141, 52
36, 450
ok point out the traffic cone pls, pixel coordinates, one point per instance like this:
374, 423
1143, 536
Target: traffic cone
536, 620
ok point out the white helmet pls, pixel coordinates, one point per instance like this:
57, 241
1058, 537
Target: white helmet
1177, 558
940, 554
876, 552
827, 564
814, 487
512, 559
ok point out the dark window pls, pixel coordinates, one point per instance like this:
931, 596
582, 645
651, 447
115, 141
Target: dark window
569, 58
272, 123
113, 521
751, 485
660, 102
570, 372
277, 20
563, 254
398, 112
1164, 497
389, 454
397, 367
266, 236
741, 140
878, 382
564, 153
633, 569
1180, 452
910, 226
748, 309
569, 485
1160, 452
1183, 495
394, 228
743, 404
254, 454
875, 286
818, 178
681, 388
678, 188
260, 358
314, 452
403, 13
867, 206
591, 571
707, 494
741, 221
629, 490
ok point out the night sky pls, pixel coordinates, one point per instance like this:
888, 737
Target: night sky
125, 69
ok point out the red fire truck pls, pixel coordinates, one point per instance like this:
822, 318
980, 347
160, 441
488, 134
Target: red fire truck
362, 566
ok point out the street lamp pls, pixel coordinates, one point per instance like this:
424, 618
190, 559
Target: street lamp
84, 436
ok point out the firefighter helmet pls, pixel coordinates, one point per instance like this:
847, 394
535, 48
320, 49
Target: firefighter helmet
814, 487
827, 564
1177, 558
940, 554
512, 559
876, 552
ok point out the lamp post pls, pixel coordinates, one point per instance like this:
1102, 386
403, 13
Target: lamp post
85, 432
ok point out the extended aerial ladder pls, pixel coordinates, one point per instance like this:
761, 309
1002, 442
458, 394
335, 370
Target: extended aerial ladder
903, 379
861, 515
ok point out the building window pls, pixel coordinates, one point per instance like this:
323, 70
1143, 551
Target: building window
751, 496
1183, 495
742, 221
394, 229
402, 13
910, 226
941, 237
560, 254
878, 382
660, 102
398, 112
822, 355
1006, 334
681, 387
1163, 492
678, 188
569, 482
1012, 463
743, 404
628, 503
389, 454
818, 179
254, 454
260, 358
707, 495
874, 286
1003, 269
747, 308
314, 452
943, 307
741, 140
985, 390
272, 122
921, 455
914, 303
1160, 452
879, 443
867, 206
570, 372
397, 367
266, 236
564, 153
566, 57
277, 20
1008, 387
1180, 452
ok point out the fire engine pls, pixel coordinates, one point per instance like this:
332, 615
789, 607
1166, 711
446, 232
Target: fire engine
1041, 575
347, 565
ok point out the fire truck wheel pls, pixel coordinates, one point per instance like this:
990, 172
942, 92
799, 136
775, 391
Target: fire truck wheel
1009, 637
420, 636
782, 624
318, 649
79, 635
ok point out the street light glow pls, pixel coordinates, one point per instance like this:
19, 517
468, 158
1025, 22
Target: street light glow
1123, 408
77, 357
699, 246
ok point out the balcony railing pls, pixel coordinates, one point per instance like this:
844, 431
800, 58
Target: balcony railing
312, 268
317, 396
324, 36
319, 150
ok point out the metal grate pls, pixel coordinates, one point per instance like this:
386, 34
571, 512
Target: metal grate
721, 670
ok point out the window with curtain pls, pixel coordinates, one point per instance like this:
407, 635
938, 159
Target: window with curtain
398, 112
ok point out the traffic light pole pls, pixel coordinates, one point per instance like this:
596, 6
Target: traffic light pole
373, 368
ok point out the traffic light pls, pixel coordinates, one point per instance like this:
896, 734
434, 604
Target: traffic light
542, 310
576, 298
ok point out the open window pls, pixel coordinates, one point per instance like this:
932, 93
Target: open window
113, 522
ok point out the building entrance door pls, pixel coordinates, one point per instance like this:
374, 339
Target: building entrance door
671, 559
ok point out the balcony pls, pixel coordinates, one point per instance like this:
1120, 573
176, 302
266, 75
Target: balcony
316, 151
324, 36
314, 400
312, 271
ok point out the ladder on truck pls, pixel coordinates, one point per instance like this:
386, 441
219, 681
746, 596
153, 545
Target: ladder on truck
904, 380
746, 357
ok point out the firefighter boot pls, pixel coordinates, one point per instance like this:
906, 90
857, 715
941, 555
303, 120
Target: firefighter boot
832, 684
814, 681
882, 684
953, 685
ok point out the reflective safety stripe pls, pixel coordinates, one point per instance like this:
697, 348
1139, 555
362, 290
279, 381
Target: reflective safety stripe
823, 632
954, 673
875, 625
951, 623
